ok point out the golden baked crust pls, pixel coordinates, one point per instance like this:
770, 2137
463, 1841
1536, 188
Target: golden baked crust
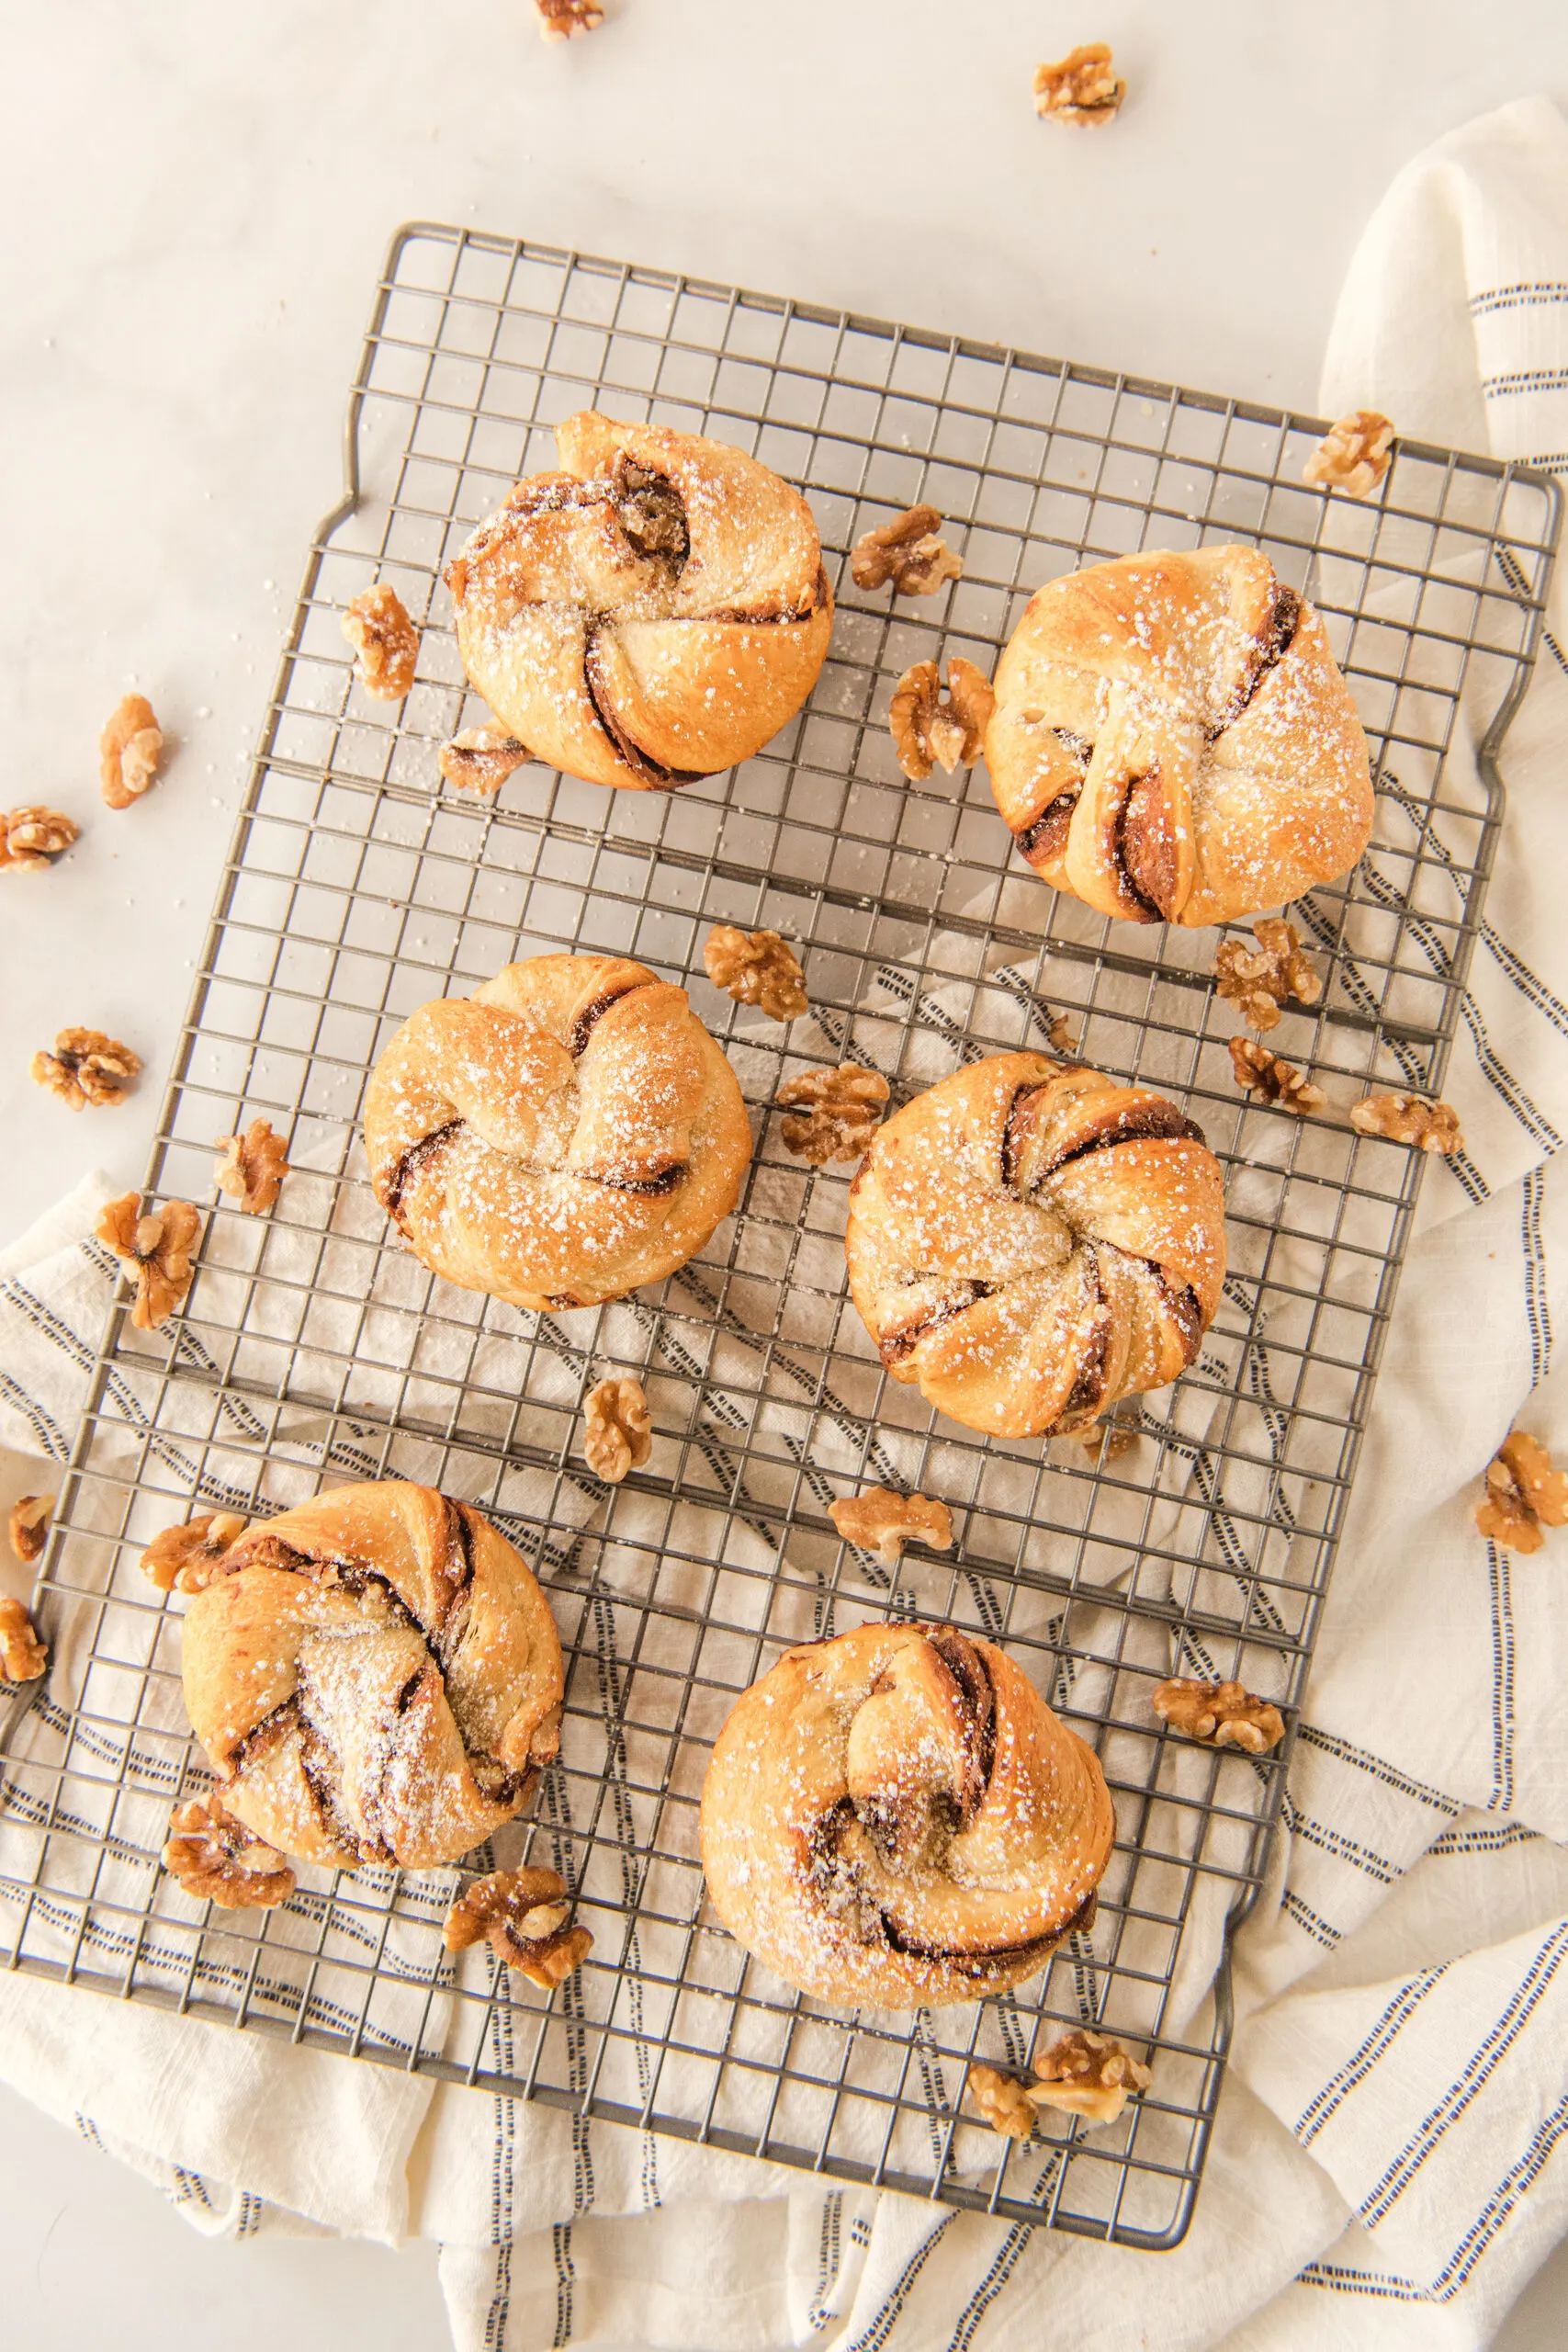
376, 1676
649, 615
1030, 1242
1172, 741
565, 1134
898, 1816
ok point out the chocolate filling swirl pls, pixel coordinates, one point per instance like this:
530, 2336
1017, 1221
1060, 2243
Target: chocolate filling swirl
415, 1158
895, 1345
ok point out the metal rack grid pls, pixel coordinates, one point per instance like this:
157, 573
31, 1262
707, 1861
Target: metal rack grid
312, 1348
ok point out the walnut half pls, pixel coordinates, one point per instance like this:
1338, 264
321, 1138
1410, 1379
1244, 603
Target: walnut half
85, 1066
385, 641
619, 1429
31, 839
1276, 1080
1408, 1118
926, 730
189, 1559
219, 1861
908, 553
565, 19
29, 1526
756, 968
1082, 87
1088, 2073
1218, 1715
129, 751
1523, 1491
524, 1916
1084, 2074
1353, 455
881, 1521
1258, 981
23, 1657
832, 1114
251, 1168
157, 1249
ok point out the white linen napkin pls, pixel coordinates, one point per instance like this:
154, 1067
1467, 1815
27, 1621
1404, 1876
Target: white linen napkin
1388, 2166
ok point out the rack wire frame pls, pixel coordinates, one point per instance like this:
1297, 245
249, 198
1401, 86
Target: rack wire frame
311, 1348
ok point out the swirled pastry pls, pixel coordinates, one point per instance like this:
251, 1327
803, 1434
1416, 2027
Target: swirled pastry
1172, 741
1030, 1242
898, 1816
568, 1131
649, 615
375, 1676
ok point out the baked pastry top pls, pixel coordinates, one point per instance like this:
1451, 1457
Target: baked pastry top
376, 1676
897, 1816
1030, 1241
651, 613
566, 1133
1172, 740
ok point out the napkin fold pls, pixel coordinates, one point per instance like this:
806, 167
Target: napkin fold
1388, 2164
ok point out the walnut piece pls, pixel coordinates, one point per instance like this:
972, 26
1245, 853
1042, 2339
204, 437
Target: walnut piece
481, 759
85, 1067
1086, 2073
619, 1429
219, 1861
925, 729
23, 1657
832, 1114
1084, 87
129, 751
1407, 1118
157, 1247
30, 839
1522, 1490
565, 19
385, 641
189, 1559
756, 968
524, 1914
1060, 1037
907, 551
1003, 2102
881, 1521
1219, 1714
29, 1526
1258, 981
1354, 455
251, 1168
1277, 1081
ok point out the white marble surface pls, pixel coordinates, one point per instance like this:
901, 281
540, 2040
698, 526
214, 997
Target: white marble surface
199, 198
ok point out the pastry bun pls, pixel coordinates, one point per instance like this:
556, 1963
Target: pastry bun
897, 1816
565, 1134
1028, 1241
376, 1676
1172, 741
651, 613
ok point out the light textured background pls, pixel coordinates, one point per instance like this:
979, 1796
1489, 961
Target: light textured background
196, 201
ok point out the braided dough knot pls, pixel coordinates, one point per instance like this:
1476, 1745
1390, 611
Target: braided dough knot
1172, 741
568, 1133
649, 615
375, 1676
898, 1816
1028, 1242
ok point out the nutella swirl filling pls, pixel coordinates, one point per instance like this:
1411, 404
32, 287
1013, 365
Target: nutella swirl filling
895, 1345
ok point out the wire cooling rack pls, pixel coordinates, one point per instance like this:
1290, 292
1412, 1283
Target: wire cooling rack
313, 1348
